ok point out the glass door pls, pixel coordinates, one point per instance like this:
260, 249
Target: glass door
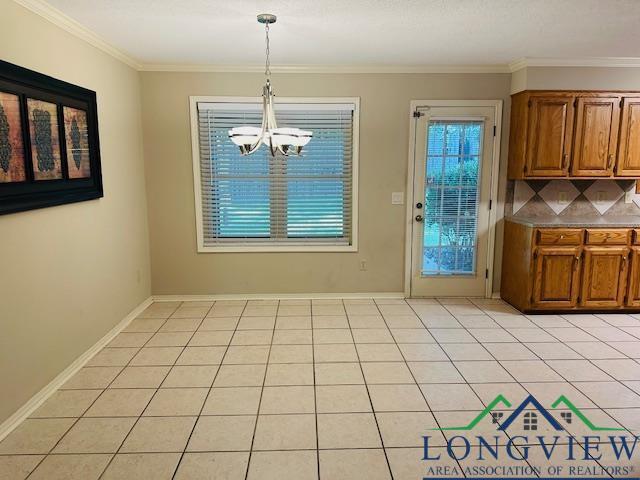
454, 152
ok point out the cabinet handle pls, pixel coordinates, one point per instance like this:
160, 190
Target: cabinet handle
576, 261
565, 161
610, 163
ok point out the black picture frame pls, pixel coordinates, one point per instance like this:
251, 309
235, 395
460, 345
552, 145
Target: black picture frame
32, 194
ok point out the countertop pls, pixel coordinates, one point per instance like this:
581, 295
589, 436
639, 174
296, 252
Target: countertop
631, 221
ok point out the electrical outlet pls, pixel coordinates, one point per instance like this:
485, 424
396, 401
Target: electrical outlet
363, 265
397, 198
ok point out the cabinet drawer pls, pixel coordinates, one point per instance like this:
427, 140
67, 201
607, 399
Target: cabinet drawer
559, 236
619, 236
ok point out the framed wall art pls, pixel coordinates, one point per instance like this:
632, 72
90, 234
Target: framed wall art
49, 148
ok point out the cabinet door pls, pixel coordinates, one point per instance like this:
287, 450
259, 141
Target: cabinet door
596, 138
556, 277
604, 276
629, 146
549, 136
633, 292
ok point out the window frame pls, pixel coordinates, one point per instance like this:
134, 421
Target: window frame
274, 246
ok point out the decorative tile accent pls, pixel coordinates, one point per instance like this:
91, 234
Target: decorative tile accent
636, 196
603, 194
522, 193
558, 194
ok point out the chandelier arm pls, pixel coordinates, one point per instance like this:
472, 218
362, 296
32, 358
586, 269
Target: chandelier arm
263, 130
270, 111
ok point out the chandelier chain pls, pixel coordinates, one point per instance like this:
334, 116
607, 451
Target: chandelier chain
267, 65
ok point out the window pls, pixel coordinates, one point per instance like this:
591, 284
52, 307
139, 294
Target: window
530, 421
496, 416
264, 203
451, 197
566, 416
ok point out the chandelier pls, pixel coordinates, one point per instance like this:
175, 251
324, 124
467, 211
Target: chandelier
287, 141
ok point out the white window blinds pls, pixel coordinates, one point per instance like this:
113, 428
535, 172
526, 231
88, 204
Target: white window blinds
264, 200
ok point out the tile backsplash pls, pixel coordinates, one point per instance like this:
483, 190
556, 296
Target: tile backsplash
534, 198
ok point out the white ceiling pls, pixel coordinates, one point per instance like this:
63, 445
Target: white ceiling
361, 32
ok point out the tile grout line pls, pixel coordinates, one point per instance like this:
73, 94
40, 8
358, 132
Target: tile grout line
406, 364
510, 374
515, 381
464, 326
179, 462
452, 363
156, 389
96, 399
366, 386
264, 380
315, 392
543, 361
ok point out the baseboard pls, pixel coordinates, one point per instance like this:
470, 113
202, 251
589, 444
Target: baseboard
496, 295
273, 296
39, 398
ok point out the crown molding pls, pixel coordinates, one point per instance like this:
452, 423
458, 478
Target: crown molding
71, 26
335, 69
606, 62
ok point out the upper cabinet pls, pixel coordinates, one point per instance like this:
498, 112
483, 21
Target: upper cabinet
628, 164
574, 134
550, 130
596, 136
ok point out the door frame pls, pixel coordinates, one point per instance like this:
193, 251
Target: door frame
416, 105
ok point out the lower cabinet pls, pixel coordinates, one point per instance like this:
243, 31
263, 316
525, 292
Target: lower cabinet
604, 277
556, 278
571, 269
633, 295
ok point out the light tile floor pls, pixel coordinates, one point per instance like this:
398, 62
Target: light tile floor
329, 389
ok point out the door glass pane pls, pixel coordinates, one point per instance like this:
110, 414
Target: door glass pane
452, 178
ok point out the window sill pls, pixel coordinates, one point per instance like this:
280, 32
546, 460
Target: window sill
277, 248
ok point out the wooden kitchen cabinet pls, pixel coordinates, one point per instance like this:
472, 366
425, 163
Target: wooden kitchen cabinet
574, 134
596, 136
604, 277
633, 289
556, 277
628, 164
549, 136
570, 269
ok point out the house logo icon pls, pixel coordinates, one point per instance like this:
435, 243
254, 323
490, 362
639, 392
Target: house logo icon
531, 412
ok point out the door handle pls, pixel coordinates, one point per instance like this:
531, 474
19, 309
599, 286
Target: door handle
418, 218
418, 205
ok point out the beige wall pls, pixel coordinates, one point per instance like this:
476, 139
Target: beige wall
69, 274
177, 268
576, 78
